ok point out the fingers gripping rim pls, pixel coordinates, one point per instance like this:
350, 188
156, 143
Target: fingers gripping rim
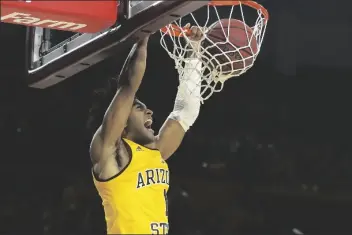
177, 31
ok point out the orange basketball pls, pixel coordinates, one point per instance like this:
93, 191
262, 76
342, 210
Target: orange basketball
235, 45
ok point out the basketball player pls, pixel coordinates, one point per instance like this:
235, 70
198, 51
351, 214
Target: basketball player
129, 170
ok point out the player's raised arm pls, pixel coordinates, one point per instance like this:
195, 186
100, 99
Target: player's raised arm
187, 104
108, 135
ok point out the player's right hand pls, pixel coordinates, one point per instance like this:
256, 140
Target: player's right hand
144, 41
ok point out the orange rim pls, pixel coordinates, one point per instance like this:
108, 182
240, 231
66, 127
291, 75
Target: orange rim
179, 32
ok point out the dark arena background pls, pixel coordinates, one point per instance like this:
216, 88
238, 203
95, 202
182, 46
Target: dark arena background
269, 155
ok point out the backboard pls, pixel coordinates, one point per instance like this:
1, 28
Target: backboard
54, 55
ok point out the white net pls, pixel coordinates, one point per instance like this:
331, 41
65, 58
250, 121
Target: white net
221, 58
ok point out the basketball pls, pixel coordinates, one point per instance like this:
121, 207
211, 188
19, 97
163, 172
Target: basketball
222, 41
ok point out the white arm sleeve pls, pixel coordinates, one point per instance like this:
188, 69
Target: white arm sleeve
187, 102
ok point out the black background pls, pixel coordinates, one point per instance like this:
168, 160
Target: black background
268, 154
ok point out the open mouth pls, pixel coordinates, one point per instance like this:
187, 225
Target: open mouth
148, 124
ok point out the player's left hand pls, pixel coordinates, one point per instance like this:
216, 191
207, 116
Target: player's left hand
196, 33
195, 36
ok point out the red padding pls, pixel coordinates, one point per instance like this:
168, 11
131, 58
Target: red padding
76, 16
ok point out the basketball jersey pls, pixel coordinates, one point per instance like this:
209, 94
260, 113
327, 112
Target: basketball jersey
135, 200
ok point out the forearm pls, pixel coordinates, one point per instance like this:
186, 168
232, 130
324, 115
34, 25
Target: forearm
132, 72
129, 81
187, 102
130, 78
186, 110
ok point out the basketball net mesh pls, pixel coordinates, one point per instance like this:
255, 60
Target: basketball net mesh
212, 74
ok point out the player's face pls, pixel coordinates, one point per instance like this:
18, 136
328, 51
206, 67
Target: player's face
139, 124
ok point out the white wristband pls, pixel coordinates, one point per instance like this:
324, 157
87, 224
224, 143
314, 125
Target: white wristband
187, 102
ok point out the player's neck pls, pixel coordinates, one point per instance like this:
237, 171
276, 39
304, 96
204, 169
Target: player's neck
151, 145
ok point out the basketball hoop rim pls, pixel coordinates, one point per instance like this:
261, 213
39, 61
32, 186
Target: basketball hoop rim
178, 31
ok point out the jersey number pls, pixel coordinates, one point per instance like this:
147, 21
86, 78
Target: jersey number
166, 203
